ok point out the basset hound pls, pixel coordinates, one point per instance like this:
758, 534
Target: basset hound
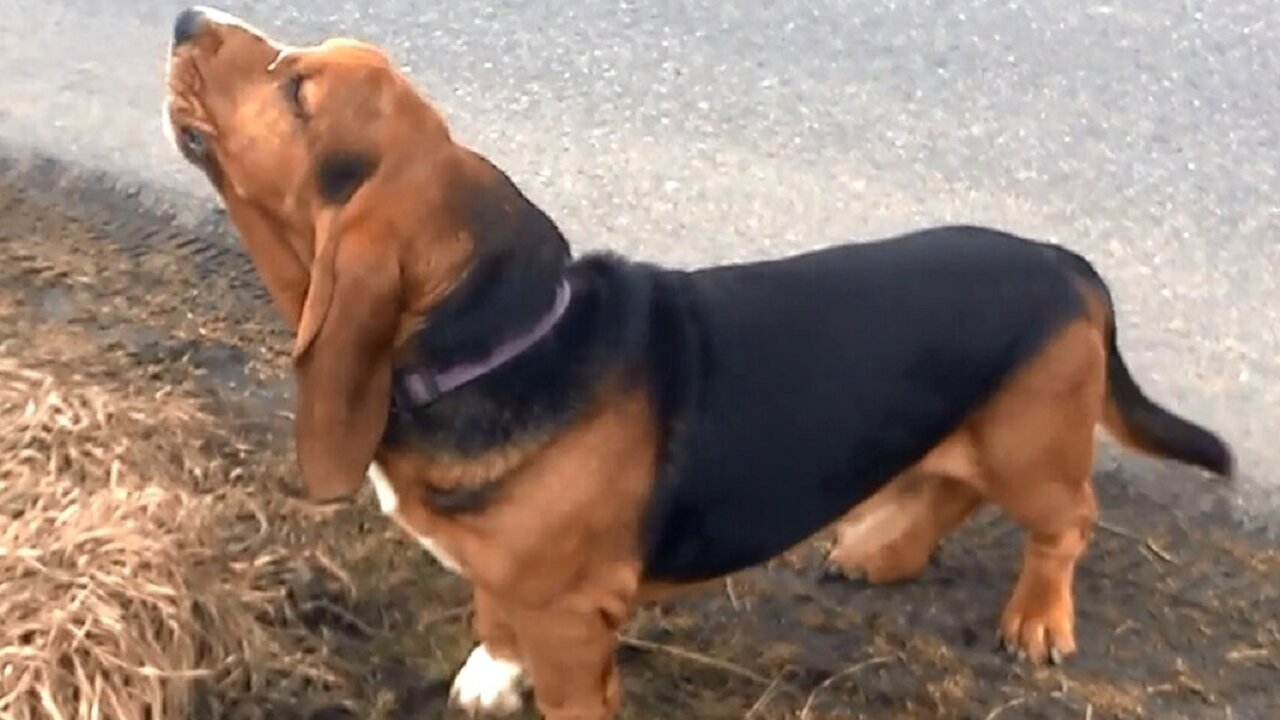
579, 435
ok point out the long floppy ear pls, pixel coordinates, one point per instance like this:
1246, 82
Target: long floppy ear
319, 298
342, 350
344, 369
338, 175
346, 330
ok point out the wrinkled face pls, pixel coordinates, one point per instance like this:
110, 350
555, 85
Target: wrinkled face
289, 135
229, 111
262, 118
361, 215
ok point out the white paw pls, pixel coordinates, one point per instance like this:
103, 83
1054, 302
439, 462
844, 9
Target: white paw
487, 685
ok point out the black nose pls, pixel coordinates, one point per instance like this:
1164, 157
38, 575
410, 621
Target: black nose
187, 26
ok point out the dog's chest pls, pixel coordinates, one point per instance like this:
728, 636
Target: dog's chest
389, 503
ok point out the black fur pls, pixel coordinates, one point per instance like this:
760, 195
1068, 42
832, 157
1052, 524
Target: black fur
808, 382
520, 260
340, 174
786, 391
520, 257
542, 389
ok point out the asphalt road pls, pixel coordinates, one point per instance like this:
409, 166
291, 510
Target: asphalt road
1142, 134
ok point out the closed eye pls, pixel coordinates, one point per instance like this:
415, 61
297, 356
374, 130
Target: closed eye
293, 93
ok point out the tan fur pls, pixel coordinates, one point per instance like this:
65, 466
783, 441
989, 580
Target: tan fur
1030, 451
555, 563
556, 560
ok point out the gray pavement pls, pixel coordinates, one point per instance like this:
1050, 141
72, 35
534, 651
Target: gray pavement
1143, 134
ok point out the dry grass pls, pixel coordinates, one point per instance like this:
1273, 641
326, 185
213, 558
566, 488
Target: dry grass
114, 601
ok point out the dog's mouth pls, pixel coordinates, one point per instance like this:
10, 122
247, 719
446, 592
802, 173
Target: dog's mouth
193, 144
200, 36
193, 141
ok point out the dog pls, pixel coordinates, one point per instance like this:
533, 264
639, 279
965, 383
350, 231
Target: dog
579, 435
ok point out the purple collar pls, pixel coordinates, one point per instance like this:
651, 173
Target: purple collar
416, 386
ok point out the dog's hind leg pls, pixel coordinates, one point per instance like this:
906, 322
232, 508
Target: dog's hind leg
1039, 619
891, 536
1037, 447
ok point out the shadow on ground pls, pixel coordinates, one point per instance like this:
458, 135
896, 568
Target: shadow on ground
1177, 614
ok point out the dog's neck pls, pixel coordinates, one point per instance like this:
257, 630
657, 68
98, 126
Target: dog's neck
512, 294
525, 401
416, 385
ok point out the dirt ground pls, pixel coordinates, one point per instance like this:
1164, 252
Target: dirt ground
1177, 618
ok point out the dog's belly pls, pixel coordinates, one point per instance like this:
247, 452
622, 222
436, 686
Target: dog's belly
389, 503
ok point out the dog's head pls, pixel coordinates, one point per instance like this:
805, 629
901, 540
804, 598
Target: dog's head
362, 216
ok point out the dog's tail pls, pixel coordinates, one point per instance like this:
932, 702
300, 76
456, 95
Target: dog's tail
1136, 420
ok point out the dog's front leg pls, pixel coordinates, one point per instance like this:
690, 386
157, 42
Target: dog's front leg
489, 684
571, 661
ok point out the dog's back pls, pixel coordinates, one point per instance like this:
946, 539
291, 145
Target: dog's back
819, 377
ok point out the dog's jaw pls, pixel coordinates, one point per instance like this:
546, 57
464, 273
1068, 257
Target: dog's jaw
487, 686
220, 17
166, 125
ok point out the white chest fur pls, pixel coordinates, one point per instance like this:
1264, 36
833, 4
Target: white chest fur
389, 502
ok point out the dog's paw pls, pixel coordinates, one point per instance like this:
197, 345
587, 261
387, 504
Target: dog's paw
830, 571
487, 686
1038, 624
866, 569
